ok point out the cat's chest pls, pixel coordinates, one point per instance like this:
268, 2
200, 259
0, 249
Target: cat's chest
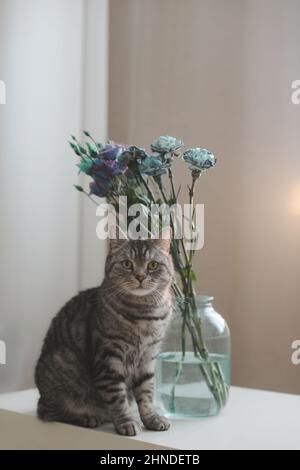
147, 342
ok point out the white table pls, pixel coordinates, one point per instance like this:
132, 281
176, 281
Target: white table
253, 419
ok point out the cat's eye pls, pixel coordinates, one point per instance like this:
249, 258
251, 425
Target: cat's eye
152, 266
127, 264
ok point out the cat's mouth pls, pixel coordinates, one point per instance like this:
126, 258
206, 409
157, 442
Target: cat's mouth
140, 291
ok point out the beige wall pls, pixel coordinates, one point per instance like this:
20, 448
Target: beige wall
218, 74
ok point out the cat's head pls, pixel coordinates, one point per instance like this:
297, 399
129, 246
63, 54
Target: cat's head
140, 267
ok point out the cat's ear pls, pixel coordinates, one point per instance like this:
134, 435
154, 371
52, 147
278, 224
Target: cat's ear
115, 244
117, 238
164, 239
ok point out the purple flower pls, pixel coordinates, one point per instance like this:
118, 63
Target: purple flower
100, 161
104, 172
112, 151
100, 189
109, 168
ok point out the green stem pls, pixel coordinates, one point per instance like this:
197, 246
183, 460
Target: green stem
165, 199
148, 189
172, 184
211, 371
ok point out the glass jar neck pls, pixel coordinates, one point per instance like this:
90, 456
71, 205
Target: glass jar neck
204, 302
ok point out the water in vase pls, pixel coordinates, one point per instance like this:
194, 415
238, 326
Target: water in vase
181, 389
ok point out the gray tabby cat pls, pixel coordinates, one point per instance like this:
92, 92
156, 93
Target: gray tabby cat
100, 349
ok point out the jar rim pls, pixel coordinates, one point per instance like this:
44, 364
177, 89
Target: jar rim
204, 299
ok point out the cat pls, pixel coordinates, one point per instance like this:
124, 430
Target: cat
99, 352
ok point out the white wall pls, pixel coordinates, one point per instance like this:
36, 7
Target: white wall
43, 61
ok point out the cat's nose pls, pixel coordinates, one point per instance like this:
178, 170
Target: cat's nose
140, 277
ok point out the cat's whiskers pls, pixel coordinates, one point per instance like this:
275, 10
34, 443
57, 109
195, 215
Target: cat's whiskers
113, 291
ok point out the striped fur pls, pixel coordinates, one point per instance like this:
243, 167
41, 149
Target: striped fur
101, 347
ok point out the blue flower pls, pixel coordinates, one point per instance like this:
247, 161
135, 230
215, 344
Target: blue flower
152, 166
132, 155
199, 159
140, 162
166, 144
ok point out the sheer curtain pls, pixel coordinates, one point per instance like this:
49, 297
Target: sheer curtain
53, 56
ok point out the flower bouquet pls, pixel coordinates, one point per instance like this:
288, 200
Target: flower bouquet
146, 178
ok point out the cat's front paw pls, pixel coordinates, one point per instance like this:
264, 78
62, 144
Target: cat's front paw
156, 423
129, 428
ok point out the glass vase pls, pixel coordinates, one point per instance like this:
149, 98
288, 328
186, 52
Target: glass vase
190, 384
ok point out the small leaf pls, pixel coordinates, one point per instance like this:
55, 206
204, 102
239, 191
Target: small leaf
92, 149
185, 272
75, 148
82, 149
79, 188
85, 165
86, 133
